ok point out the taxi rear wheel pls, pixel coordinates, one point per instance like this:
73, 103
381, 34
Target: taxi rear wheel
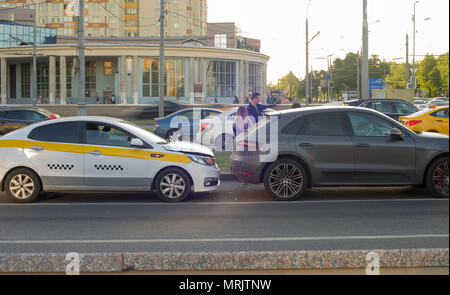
22, 186
173, 185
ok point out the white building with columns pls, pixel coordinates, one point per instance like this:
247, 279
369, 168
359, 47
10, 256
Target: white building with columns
194, 73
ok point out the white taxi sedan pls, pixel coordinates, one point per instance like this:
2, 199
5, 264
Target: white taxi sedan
101, 154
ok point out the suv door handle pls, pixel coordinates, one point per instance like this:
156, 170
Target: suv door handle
363, 145
37, 148
95, 153
305, 144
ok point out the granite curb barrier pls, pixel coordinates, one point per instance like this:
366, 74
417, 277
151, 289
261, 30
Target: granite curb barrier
298, 260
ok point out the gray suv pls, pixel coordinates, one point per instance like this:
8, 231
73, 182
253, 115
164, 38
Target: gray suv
342, 146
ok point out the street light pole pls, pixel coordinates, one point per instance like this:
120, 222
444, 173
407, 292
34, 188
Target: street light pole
34, 83
414, 50
81, 63
161, 59
365, 57
307, 59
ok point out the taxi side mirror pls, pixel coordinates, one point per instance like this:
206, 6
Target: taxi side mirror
136, 142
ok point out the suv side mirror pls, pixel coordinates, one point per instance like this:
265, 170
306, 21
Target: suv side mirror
136, 142
396, 133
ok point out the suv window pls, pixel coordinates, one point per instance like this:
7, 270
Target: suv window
404, 108
441, 114
325, 124
66, 132
15, 115
368, 125
2, 114
102, 134
385, 107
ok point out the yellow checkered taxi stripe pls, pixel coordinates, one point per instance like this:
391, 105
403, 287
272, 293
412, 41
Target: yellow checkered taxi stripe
106, 151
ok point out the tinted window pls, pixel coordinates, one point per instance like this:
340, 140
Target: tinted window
188, 115
15, 115
404, 108
441, 114
33, 116
368, 125
101, 134
2, 114
384, 107
328, 124
58, 132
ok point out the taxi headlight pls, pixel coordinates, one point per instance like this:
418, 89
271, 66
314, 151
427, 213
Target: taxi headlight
204, 160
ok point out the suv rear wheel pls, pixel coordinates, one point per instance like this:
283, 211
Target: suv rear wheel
285, 180
437, 178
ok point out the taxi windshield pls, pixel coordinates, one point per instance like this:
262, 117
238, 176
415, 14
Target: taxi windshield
144, 133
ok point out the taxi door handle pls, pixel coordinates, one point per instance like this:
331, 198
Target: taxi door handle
37, 148
439, 121
95, 153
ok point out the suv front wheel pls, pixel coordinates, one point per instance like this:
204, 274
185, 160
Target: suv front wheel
285, 180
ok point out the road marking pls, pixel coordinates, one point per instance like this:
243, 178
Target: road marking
224, 240
225, 203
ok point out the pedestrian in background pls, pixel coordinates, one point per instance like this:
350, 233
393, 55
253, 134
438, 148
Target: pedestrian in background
255, 108
113, 99
241, 123
236, 100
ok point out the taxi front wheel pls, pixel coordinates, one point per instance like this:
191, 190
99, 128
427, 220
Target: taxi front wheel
22, 186
173, 185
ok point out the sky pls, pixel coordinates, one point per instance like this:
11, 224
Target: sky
280, 25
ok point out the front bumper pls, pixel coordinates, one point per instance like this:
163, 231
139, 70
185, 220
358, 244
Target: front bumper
206, 178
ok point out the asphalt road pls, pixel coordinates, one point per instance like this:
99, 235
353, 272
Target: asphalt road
235, 218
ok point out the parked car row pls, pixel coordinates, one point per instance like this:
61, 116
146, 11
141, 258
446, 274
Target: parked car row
315, 147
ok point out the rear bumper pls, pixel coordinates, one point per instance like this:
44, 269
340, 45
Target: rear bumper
246, 171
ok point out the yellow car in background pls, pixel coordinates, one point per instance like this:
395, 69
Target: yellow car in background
430, 120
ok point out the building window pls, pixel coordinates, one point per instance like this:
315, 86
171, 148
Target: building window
220, 40
130, 11
254, 78
221, 78
91, 79
173, 78
42, 79
55, 7
107, 68
26, 74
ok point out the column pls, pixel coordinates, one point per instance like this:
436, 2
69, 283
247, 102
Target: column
191, 79
52, 79
123, 80
62, 80
241, 82
135, 80
4, 77
202, 70
246, 82
264, 83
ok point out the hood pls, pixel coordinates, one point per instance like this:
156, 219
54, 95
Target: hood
186, 147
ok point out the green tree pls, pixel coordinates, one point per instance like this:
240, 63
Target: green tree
429, 76
290, 84
396, 78
442, 65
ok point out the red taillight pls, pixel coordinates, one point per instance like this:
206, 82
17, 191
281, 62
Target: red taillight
156, 124
412, 123
204, 126
53, 117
